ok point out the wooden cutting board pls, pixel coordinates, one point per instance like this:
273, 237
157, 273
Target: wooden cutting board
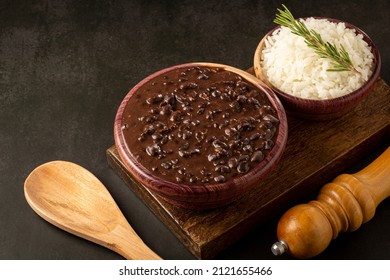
316, 152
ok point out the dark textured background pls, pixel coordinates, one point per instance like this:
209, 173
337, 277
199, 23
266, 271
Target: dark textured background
65, 66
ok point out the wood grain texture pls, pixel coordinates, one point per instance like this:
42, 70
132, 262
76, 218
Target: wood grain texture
73, 199
315, 154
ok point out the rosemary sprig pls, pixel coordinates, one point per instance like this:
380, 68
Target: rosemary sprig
340, 58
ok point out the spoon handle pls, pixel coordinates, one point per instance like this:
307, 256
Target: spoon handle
73, 199
127, 243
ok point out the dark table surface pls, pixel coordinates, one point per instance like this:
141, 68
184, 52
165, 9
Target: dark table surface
65, 66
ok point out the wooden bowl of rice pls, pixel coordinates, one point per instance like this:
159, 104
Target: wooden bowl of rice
300, 79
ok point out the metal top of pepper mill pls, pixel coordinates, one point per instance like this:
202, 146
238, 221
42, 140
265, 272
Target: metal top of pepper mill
279, 248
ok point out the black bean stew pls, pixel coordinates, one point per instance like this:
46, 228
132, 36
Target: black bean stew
199, 125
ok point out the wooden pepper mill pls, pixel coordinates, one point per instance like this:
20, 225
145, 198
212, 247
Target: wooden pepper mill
343, 205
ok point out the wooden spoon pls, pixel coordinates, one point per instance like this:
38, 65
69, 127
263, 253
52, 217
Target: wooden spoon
73, 199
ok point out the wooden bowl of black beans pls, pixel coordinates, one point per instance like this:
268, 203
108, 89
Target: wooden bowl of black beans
200, 135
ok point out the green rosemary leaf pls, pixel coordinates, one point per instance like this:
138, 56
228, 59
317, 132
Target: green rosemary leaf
340, 58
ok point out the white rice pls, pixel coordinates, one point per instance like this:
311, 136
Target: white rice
291, 66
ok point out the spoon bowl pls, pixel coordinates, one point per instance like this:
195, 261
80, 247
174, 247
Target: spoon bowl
73, 199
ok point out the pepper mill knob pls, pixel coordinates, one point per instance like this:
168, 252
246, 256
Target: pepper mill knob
343, 205
279, 248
